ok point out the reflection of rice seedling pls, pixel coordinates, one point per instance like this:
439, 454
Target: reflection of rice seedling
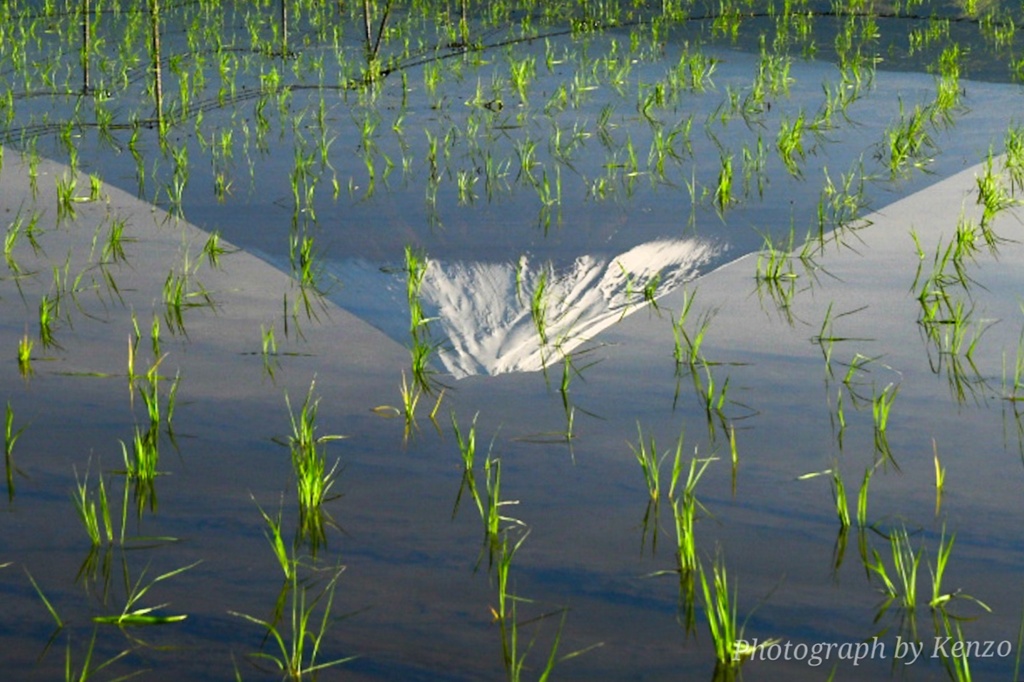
88, 669
539, 308
956, 655
10, 438
46, 602
298, 650
143, 616
754, 164
506, 615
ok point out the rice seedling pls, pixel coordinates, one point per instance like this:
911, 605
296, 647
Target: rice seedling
941, 598
132, 615
48, 312
113, 249
66, 185
909, 142
149, 390
95, 188
723, 188
85, 505
495, 523
695, 70
141, 467
713, 400
906, 561
467, 445
1013, 161
684, 509
789, 143
826, 337
881, 404
731, 649
10, 241
650, 463
838, 493
272, 533
25, 345
948, 92
862, 498
309, 463
940, 478
213, 249
774, 264
993, 197
268, 350
688, 344
841, 206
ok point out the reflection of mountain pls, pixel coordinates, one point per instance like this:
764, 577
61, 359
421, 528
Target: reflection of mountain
484, 315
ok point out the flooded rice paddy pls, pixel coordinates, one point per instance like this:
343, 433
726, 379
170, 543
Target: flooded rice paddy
475, 341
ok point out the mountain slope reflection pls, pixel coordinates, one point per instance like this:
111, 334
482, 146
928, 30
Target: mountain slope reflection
486, 317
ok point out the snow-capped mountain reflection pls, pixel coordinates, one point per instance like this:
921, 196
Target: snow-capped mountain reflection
486, 317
